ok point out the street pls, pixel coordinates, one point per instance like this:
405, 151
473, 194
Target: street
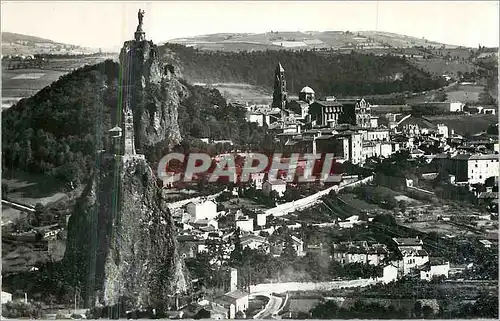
271, 307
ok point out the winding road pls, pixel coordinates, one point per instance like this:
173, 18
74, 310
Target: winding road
271, 307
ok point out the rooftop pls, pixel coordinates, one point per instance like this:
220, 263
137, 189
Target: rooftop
234, 295
408, 241
327, 103
484, 157
277, 182
307, 90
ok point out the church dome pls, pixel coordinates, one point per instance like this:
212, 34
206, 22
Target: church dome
307, 90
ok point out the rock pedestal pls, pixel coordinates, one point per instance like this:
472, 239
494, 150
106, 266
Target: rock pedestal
140, 35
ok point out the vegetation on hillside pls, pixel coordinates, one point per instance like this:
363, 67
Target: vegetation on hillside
54, 132
327, 74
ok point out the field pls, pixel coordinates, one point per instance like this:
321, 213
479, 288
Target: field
244, 92
465, 93
21, 83
463, 124
363, 40
440, 67
29, 189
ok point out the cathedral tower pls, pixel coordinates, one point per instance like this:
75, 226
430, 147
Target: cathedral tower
280, 94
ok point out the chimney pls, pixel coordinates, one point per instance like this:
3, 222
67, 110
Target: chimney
234, 280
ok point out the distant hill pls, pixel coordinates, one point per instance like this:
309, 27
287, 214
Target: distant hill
20, 44
15, 37
336, 40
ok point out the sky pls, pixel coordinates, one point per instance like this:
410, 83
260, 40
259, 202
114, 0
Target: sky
109, 24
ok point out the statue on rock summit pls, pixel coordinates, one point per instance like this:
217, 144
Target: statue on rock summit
140, 15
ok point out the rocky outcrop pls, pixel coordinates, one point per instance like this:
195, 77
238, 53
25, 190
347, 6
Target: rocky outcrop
122, 244
155, 94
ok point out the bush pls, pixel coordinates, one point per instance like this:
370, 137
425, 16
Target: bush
19, 309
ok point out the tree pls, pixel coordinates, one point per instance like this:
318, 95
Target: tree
485, 98
39, 212
327, 310
402, 206
236, 257
20, 309
417, 309
427, 312
5, 190
289, 252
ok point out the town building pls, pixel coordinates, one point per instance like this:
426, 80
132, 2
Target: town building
389, 274
201, 210
279, 186
254, 242
245, 224
431, 271
359, 252
258, 179
414, 256
307, 95
326, 113
298, 245
235, 300
472, 169
301, 108
357, 112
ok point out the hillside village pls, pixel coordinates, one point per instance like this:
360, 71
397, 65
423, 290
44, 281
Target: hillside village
279, 219
361, 135
410, 205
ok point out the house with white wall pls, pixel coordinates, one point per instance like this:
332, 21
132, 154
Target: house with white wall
245, 224
435, 270
298, 245
389, 274
414, 255
201, 210
277, 185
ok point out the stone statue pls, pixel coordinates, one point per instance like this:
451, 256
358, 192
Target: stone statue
140, 15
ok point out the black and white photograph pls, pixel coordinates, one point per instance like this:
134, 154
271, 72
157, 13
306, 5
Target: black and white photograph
249, 160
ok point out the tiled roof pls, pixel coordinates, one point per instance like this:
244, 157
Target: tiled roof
327, 103
461, 157
408, 241
484, 157
277, 182
235, 295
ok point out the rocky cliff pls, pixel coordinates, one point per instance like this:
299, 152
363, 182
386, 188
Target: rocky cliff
154, 93
121, 246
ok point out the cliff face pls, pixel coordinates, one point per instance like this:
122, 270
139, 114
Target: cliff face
123, 245
154, 93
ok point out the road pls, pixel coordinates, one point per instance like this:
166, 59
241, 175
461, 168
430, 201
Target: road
271, 308
18, 206
309, 286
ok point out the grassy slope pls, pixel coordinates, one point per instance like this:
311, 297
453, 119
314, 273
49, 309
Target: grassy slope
463, 124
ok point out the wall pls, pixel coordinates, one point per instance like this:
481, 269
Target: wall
309, 286
306, 202
182, 203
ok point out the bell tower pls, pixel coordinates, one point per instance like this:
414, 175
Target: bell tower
280, 94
